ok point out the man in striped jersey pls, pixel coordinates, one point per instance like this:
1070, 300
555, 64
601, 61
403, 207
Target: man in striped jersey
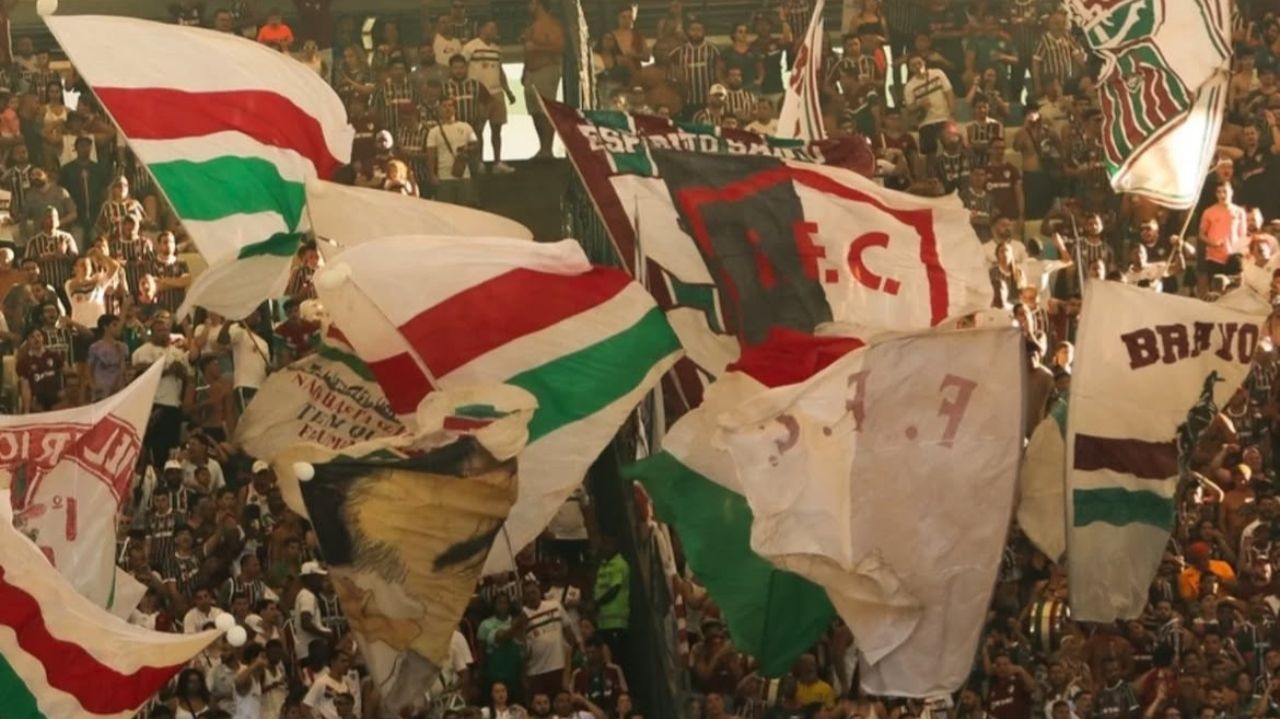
485, 56
982, 131
17, 179
171, 273
696, 65
1057, 55
54, 249
714, 113
395, 97
470, 99
738, 101
411, 147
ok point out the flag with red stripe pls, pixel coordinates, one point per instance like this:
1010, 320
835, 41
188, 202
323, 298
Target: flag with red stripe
62, 657
231, 140
801, 114
1152, 372
587, 342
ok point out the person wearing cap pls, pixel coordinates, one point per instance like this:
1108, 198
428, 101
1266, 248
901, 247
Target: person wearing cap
257, 491
1199, 564
309, 626
715, 111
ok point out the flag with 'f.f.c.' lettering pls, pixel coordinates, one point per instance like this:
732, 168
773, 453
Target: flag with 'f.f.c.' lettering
1152, 372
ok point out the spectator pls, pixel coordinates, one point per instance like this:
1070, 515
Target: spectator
929, 96
695, 66
275, 34
451, 147
1057, 56
544, 47
485, 57
1223, 235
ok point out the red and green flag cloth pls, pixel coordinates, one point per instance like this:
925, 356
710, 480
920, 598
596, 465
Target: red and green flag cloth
230, 130
62, 656
588, 343
771, 613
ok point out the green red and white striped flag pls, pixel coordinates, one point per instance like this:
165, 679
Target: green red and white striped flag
1151, 374
434, 312
230, 129
800, 116
1163, 90
63, 657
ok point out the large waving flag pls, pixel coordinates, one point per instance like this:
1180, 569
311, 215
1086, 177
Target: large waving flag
404, 583
1151, 373
800, 116
612, 153
772, 613
760, 242
69, 471
432, 312
64, 657
1163, 90
231, 130
825, 466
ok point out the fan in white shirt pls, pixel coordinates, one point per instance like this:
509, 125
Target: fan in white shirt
330, 683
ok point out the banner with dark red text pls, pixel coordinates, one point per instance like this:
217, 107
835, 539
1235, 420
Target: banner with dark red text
69, 471
1152, 373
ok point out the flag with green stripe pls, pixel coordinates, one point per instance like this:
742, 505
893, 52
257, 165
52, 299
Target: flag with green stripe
231, 141
440, 312
1151, 374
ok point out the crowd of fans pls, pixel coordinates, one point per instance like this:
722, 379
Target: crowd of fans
995, 100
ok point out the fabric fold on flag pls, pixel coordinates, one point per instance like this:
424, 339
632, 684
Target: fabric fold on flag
62, 656
343, 217
69, 471
435, 312
231, 140
800, 115
1042, 499
1163, 91
824, 466
1151, 372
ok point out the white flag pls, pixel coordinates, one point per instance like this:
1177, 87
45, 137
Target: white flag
70, 470
889, 479
800, 116
1151, 372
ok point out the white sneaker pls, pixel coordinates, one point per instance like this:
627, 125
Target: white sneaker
502, 168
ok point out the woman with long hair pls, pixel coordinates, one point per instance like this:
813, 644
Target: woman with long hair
613, 72
121, 205
398, 179
741, 54
191, 698
499, 706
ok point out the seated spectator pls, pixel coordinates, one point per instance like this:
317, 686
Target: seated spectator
275, 33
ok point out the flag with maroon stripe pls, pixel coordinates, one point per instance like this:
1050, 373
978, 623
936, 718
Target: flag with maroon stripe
62, 656
587, 342
1163, 90
1152, 372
